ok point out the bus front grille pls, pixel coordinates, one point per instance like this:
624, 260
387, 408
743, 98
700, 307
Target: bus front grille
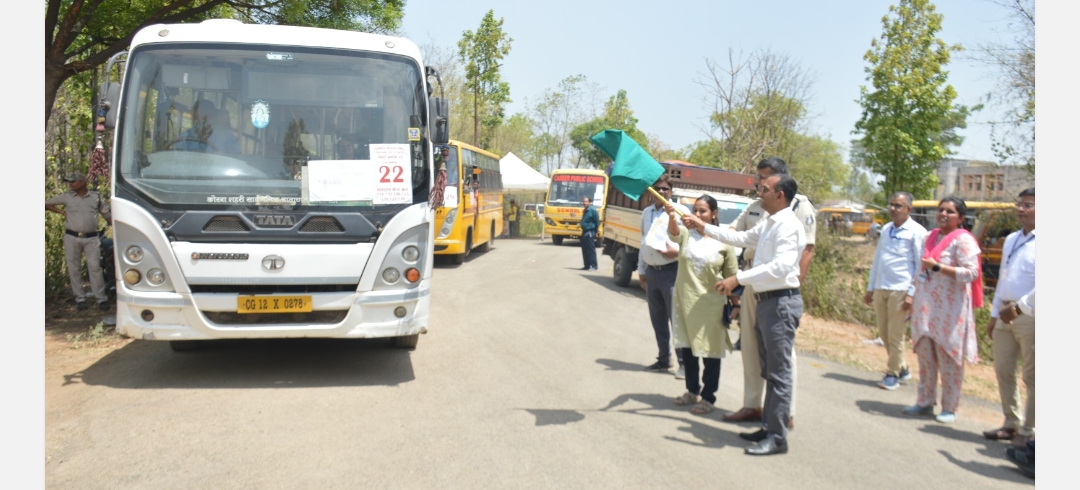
322, 224
226, 224
328, 317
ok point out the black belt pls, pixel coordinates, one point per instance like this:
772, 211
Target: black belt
83, 234
673, 265
779, 293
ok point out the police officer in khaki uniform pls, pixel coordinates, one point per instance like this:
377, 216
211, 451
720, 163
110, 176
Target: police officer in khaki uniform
81, 208
753, 383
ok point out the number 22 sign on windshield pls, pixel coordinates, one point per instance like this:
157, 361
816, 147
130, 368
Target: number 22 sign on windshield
392, 172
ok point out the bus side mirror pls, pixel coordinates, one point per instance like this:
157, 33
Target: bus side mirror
540, 210
439, 115
110, 96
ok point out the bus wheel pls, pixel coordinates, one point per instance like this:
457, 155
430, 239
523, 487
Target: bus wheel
623, 269
556, 239
185, 345
491, 239
405, 342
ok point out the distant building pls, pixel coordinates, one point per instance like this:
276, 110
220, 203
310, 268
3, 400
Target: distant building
975, 180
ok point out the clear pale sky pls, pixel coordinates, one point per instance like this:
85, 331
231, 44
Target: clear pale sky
654, 50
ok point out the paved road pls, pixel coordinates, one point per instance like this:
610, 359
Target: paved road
531, 377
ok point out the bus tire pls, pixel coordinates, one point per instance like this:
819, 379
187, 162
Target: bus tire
556, 239
486, 247
623, 270
406, 341
185, 345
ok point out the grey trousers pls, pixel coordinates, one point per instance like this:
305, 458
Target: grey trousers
777, 320
74, 249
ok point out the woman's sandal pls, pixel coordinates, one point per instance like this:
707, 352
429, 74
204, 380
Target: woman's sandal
687, 399
703, 407
1000, 434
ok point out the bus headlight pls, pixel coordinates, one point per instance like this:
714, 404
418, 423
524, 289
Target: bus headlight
448, 223
550, 221
132, 276
155, 277
134, 254
391, 275
410, 254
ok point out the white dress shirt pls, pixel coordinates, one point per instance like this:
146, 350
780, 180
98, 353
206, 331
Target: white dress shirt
898, 257
1016, 277
779, 241
647, 255
1027, 304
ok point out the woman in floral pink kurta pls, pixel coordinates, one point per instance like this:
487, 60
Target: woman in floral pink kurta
942, 319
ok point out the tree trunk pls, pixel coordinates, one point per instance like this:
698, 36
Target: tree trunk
54, 79
476, 113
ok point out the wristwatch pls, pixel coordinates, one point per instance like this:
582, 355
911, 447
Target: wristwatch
1016, 309
936, 268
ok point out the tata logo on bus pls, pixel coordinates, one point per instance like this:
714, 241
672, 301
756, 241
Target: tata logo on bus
274, 220
579, 179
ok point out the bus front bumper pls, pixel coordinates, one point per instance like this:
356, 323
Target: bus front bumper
186, 316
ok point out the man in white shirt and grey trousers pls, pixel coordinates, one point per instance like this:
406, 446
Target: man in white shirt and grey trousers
657, 270
774, 276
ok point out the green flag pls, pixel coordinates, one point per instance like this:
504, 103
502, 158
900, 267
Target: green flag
633, 170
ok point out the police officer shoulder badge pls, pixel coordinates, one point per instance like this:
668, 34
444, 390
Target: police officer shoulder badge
809, 220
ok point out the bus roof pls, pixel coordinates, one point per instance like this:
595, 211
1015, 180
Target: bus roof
578, 171
929, 203
463, 144
234, 31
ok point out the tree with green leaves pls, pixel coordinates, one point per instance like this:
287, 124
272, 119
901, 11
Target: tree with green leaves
81, 35
482, 53
909, 109
617, 115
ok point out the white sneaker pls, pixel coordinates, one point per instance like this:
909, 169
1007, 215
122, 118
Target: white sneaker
681, 373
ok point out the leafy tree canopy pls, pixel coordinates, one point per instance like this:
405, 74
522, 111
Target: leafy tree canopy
909, 109
81, 35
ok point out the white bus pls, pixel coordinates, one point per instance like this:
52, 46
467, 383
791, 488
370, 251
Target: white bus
272, 181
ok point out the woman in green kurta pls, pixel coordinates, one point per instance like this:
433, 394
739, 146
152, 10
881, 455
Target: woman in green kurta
697, 309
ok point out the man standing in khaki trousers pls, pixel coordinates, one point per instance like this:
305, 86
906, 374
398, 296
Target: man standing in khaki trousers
890, 288
1012, 331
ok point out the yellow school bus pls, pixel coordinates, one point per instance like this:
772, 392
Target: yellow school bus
562, 215
471, 215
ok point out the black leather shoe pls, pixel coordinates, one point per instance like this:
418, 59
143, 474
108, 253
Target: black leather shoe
767, 447
754, 436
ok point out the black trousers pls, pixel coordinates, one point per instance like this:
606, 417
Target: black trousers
709, 380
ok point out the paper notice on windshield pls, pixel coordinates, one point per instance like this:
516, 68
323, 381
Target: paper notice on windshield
450, 197
340, 180
393, 173
657, 237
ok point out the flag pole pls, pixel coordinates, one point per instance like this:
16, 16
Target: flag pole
665, 201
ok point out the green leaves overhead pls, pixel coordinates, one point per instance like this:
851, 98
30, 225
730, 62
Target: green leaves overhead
81, 35
908, 113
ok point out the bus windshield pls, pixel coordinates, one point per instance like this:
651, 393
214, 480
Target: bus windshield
228, 126
570, 189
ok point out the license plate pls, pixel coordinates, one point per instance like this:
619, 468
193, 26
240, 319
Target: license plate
273, 304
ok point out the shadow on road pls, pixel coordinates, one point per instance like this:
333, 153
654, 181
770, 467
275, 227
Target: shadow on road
269, 363
614, 365
1007, 471
654, 406
894, 410
851, 379
603, 278
556, 417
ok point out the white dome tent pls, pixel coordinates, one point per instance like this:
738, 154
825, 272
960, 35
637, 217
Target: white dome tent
518, 175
